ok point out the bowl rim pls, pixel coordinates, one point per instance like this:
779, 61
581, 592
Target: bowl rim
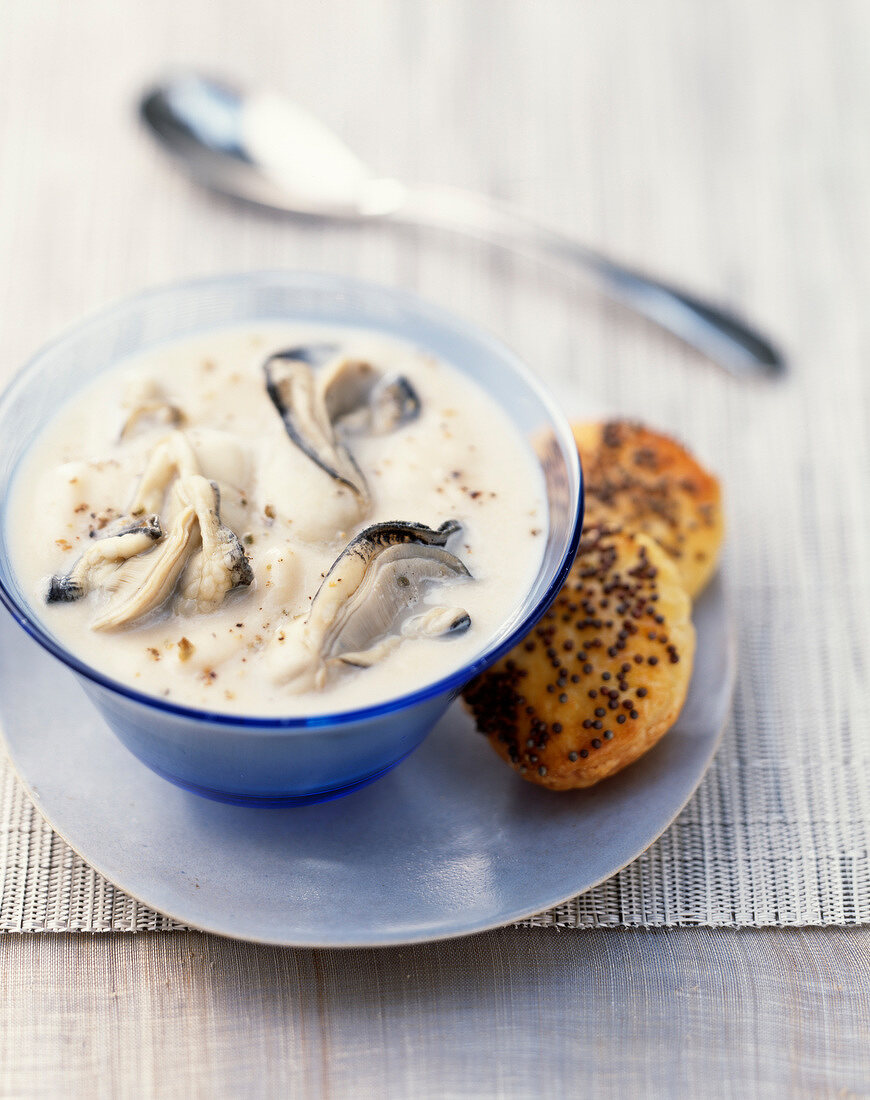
407, 300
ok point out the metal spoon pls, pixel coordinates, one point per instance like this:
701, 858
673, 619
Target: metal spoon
264, 149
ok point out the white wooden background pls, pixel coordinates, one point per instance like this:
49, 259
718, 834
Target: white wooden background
727, 144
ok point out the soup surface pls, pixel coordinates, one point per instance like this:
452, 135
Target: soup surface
186, 524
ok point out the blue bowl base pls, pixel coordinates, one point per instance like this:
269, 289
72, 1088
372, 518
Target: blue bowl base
277, 801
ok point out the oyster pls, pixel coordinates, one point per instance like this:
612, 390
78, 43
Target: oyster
150, 408
197, 544
115, 544
292, 386
141, 585
350, 392
436, 622
364, 400
361, 611
220, 564
392, 402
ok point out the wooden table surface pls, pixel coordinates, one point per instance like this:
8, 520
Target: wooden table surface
517, 1013
727, 144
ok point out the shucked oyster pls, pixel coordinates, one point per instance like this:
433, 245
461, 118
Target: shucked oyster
143, 583
117, 543
365, 401
379, 576
149, 408
435, 622
197, 544
220, 564
312, 402
365, 605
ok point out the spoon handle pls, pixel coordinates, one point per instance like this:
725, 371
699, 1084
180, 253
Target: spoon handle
717, 333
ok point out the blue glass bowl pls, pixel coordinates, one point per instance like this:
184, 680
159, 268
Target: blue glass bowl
292, 760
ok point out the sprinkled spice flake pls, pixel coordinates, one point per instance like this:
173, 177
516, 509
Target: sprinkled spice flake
524, 702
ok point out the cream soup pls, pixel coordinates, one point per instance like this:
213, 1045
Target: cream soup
278, 520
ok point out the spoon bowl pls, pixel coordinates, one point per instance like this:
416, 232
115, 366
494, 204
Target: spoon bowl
260, 148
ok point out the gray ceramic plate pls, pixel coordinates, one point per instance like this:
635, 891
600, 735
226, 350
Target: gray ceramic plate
451, 842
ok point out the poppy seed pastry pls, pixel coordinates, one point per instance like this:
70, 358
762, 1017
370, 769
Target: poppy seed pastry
645, 481
602, 676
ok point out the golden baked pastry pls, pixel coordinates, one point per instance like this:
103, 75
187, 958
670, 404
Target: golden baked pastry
602, 676
645, 481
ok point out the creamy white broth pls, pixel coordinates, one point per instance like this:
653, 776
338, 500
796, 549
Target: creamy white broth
461, 458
